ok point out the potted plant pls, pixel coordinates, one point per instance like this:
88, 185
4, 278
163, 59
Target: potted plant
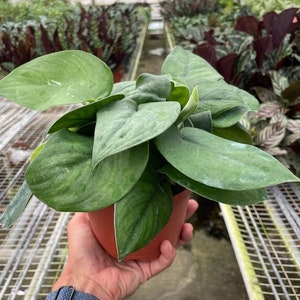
133, 143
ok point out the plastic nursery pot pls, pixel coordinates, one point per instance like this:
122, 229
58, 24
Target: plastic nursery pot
102, 222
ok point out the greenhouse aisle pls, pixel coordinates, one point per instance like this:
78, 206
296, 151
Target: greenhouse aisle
207, 269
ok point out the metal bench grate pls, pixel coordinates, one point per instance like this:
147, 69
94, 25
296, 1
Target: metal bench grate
33, 251
266, 240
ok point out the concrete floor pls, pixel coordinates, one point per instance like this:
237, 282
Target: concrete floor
205, 270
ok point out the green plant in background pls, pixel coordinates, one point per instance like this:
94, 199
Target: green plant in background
95, 29
133, 142
276, 126
260, 8
98, 30
246, 50
187, 8
32, 10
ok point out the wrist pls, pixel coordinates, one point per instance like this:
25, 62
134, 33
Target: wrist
67, 293
80, 283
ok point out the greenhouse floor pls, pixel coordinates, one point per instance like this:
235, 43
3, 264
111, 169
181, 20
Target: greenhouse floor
207, 269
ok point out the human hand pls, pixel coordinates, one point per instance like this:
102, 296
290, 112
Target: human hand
91, 270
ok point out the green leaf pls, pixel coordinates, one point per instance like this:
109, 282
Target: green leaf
220, 163
190, 106
234, 133
123, 87
179, 92
189, 68
59, 78
16, 206
82, 115
227, 103
245, 197
142, 213
202, 120
151, 88
62, 176
36, 151
124, 124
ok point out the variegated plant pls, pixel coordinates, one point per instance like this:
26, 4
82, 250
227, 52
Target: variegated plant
131, 142
276, 126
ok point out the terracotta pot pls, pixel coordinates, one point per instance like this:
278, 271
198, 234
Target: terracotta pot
103, 226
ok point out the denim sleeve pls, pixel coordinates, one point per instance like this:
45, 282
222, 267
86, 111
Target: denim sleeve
69, 293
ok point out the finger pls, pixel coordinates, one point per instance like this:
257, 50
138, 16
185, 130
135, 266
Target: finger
191, 208
165, 260
186, 234
81, 239
78, 219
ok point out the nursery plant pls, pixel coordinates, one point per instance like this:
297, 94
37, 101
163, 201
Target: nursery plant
244, 52
130, 145
188, 8
94, 29
275, 128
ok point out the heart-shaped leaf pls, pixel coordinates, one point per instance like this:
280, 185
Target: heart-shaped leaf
220, 163
124, 124
59, 78
62, 176
189, 68
245, 197
142, 213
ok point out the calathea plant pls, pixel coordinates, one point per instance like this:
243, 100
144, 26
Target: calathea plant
275, 128
130, 143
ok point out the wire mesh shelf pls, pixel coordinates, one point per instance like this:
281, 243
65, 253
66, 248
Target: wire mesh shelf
266, 240
33, 251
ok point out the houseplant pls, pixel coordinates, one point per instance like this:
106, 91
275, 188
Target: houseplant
36, 31
275, 128
133, 142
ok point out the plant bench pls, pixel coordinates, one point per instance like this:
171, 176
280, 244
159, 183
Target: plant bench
34, 249
266, 241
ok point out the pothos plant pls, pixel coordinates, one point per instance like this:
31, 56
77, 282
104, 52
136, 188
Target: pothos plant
130, 143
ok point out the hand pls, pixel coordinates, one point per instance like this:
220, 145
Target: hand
91, 270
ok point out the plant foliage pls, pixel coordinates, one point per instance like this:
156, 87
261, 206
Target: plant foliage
188, 8
94, 29
276, 126
135, 140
